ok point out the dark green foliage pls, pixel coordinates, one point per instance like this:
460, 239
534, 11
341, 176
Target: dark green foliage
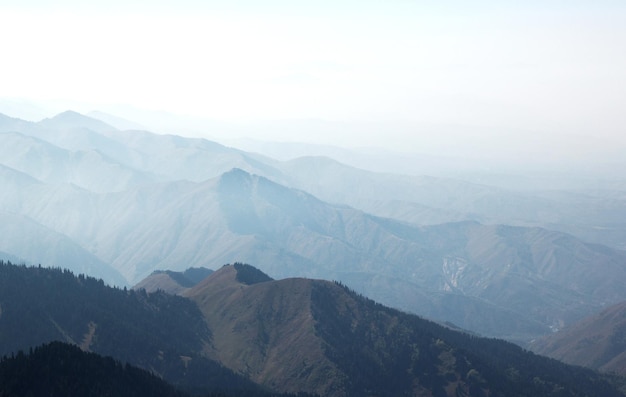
256, 393
158, 331
60, 369
60, 306
249, 275
385, 352
377, 350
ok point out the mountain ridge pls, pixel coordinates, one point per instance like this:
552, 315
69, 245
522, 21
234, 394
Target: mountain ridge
167, 202
247, 321
282, 336
222, 293
287, 232
71, 119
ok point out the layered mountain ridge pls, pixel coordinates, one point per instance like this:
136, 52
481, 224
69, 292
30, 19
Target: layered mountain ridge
122, 204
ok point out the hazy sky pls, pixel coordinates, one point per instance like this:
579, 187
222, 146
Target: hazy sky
555, 66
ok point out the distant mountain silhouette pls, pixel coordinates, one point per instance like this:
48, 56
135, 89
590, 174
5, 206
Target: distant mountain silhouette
497, 280
119, 205
114, 121
71, 119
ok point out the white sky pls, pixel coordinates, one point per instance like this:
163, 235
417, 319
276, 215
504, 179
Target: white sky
556, 66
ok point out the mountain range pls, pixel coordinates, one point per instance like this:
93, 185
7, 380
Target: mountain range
240, 332
121, 204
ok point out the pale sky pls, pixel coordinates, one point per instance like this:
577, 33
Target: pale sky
544, 66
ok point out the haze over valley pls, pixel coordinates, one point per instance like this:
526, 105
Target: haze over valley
122, 204
292, 199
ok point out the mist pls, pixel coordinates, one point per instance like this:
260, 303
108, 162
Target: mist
517, 82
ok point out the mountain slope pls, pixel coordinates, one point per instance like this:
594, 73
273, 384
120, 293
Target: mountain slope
37, 244
317, 336
292, 335
590, 215
148, 156
449, 198
419, 199
65, 370
597, 342
145, 203
502, 281
176, 158
88, 168
172, 282
73, 120
265, 332
13, 124
162, 333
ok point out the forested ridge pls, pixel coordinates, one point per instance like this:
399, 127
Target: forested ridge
61, 369
368, 349
394, 353
164, 333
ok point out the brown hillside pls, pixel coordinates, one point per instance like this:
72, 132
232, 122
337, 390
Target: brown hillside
265, 331
160, 281
598, 342
302, 335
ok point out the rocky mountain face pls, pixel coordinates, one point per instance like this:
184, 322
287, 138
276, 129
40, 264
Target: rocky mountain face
121, 204
598, 341
240, 331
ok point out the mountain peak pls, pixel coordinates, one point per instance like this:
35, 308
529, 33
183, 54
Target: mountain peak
173, 282
72, 119
248, 274
8, 123
228, 277
236, 174
68, 114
